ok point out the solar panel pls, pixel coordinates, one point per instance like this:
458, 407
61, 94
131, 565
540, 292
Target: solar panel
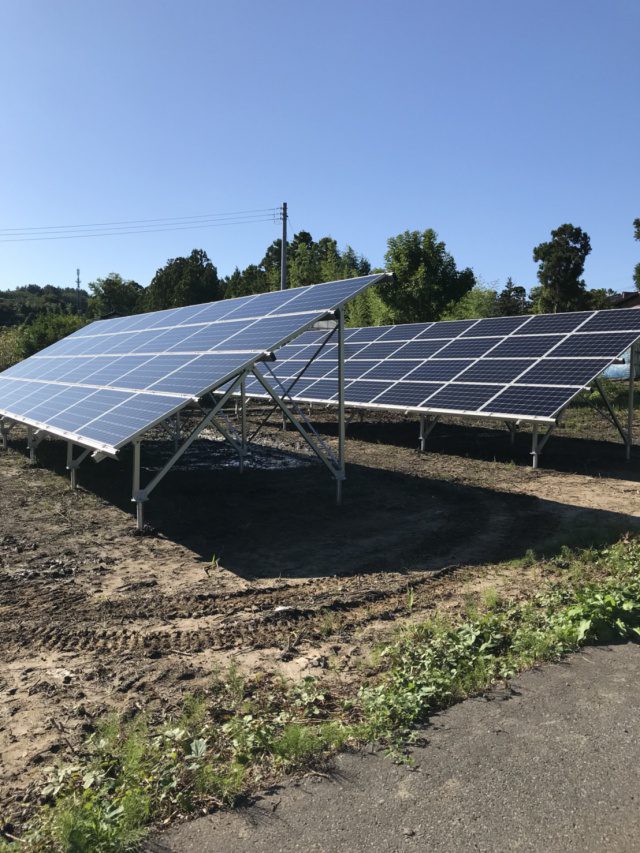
527, 367
111, 380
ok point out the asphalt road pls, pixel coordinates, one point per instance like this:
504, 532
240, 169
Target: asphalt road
555, 767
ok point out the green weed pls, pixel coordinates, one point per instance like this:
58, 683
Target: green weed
132, 774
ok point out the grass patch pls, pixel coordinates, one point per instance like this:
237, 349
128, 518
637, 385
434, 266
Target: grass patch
243, 733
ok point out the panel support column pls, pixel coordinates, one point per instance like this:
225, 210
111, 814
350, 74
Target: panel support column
512, 426
534, 446
340, 475
74, 464
538, 443
177, 426
426, 428
31, 446
243, 421
4, 435
632, 375
136, 495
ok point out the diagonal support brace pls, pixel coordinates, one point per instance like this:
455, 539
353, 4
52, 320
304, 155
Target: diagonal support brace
141, 494
626, 434
323, 454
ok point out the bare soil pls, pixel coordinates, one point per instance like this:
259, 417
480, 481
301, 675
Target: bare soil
262, 568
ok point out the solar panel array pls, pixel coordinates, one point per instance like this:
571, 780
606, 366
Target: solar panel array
113, 379
527, 367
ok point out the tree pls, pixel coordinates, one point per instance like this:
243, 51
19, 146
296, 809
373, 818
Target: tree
367, 309
46, 330
113, 296
480, 301
599, 297
426, 278
512, 300
184, 281
636, 234
308, 262
561, 264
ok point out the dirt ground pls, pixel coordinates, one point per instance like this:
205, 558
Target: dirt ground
262, 568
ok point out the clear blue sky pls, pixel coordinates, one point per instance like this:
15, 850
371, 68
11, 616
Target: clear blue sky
492, 122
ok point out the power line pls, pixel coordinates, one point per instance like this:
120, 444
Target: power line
165, 220
116, 231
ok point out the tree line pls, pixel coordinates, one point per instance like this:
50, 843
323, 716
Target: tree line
427, 285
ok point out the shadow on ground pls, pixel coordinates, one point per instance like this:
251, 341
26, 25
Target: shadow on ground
284, 521
564, 453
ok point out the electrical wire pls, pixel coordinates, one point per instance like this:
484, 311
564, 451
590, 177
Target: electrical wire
138, 226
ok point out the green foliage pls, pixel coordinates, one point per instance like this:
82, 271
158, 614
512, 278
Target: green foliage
184, 281
480, 301
368, 309
9, 347
308, 262
24, 304
561, 264
439, 662
113, 296
512, 300
426, 278
598, 298
636, 272
134, 773
46, 330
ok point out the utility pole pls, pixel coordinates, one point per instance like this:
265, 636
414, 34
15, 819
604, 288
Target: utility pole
283, 249
77, 291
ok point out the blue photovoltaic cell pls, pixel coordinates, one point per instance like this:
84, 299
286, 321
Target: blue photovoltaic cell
196, 376
446, 329
464, 398
379, 350
499, 370
323, 389
329, 351
312, 370
546, 324
493, 326
367, 334
419, 349
613, 321
438, 370
533, 401
486, 355
54, 401
468, 347
106, 372
392, 369
363, 390
356, 369
405, 332
406, 394
114, 425
608, 344
525, 347
563, 371
177, 353
351, 350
